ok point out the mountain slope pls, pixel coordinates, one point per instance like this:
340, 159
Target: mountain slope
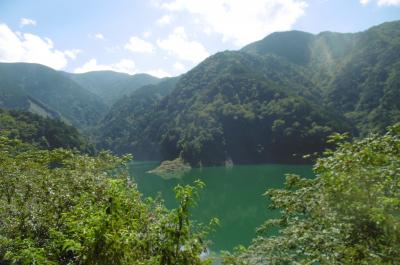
233, 106
48, 92
111, 86
129, 118
356, 74
45, 133
292, 45
237, 107
272, 101
367, 87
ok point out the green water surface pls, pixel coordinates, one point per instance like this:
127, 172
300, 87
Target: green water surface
233, 195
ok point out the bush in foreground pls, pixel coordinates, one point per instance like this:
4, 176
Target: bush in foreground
61, 207
348, 214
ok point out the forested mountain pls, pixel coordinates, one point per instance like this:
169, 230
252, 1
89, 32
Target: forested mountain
47, 92
357, 74
111, 86
232, 106
79, 99
274, 100
131, 117
45, 133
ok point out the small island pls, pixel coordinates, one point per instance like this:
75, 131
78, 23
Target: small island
169, 169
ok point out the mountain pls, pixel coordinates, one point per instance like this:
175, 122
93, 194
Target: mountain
49, 93
126, 119
45, 133
273, 101
111, 86
356, 74
233, 106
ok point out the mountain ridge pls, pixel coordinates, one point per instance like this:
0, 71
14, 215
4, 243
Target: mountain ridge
292, 89
61, 95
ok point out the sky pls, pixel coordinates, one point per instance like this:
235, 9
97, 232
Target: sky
164, 38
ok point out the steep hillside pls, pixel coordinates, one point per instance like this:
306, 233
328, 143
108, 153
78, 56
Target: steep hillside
236, 107
292, 45
45, 133
367, 86
130, 117
48, 92
356, 74
272, 101
111, 86
233, 106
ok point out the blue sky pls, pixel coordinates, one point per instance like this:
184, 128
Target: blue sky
164, 38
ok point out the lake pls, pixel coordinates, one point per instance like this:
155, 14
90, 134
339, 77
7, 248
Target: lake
233, 195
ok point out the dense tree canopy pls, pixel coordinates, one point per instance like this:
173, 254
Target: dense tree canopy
45, 133
356, 74
130, 118
206, 118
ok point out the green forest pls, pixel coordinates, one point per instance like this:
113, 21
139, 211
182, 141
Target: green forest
330, 100
45, 133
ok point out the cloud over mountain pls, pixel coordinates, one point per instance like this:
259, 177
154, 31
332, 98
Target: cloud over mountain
27, 47
240, 21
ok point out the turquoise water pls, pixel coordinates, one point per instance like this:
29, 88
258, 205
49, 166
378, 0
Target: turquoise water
234, 195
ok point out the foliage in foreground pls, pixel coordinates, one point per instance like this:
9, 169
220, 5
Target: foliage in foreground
349, 214
60, 207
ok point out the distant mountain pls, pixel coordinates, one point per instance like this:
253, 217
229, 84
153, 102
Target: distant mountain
45, 133
111, 86
272, 101
47, 92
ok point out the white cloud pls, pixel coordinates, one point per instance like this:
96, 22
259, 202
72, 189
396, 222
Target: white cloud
164, 20
178, 44
137, 44
158, 73
112, 49
241, 21
99, 36
123, 66
179, 67
382, 2
389, 3
30, 48
27, 22
72, 53
146, 34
